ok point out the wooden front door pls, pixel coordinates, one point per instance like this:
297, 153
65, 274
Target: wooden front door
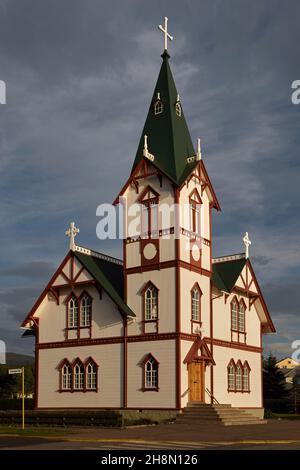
196, 381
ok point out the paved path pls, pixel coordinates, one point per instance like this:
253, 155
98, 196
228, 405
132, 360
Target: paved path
274, 435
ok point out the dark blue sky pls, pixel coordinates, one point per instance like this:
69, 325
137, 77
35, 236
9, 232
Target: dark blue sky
80, 75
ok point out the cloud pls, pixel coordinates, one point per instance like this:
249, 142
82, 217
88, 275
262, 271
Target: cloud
79, 85
31, 270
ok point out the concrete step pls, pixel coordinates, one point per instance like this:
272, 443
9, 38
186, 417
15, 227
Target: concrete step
202, 413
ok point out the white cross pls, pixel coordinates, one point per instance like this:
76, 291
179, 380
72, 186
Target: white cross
165, 31
247, 243
72, 232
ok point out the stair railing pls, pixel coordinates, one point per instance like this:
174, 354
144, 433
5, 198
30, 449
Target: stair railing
214, 400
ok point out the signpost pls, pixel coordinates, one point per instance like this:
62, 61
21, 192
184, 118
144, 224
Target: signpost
21, 371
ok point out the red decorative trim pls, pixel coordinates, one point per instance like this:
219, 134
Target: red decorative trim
193, 355
265, 308
125, 363
147, 337
236, 345
211, 323
177, 263
177, 301
45, 291
36, 354
141, 198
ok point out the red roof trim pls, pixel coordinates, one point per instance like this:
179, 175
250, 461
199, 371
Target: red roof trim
261, 297
45, 291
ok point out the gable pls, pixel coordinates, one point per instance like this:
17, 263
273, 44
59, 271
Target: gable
78, 269
238, 275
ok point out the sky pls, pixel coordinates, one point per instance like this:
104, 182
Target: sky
80, 75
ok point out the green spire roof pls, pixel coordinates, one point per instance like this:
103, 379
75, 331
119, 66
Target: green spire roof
169, 139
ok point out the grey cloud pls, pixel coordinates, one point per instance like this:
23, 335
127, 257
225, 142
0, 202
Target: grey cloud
30, 270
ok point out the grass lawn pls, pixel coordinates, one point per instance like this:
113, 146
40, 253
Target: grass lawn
34, 431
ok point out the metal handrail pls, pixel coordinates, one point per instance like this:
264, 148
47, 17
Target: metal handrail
215, 401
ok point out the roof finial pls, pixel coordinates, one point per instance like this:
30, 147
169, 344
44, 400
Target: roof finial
247, 243
166, 34
146, 152
198, 156
72, 232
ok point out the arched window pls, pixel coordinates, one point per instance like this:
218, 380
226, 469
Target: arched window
151, 373
234, 315
91, 375
66, 377
73, 312
178, 108
85, 310
151, 303
239, 376
195, 212
149, 200
246, 374
78, 376
158, 107
241, 317
196, 303
231, 376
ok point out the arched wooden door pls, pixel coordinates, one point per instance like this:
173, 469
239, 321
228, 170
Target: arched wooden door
196, 381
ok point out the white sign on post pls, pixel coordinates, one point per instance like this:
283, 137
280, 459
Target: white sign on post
15, 371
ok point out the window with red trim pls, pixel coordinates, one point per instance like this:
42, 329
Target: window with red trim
151, 302
196, 303
238, 376
78, 375
241, 316
91, 369
85, 310
231, 376
73, 309
234, 315
149, 200
195, 212
66, 376
151, 367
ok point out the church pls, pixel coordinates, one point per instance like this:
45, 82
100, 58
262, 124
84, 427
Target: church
169, 324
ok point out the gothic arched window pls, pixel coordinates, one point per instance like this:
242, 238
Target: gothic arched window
196, 303
78, 371
73, 312
91, 370
151, 366
85, 310
66, 376
151, 302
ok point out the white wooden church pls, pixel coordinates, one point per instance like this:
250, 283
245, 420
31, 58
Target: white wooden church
169, 324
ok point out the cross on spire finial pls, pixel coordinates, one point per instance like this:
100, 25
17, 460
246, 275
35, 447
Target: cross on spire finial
247, 243
72, 232
166, 34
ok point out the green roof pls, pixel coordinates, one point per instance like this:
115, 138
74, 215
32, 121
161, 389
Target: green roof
169, 139
110, 277
226, 273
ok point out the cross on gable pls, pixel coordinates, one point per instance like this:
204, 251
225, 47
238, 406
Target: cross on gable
247, 243
71, 233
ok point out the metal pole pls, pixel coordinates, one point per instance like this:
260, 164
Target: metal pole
23, 398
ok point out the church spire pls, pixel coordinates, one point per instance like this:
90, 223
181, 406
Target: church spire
168, 137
